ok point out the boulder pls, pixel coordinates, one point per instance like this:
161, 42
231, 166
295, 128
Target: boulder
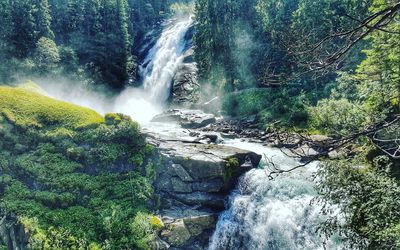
185, 88
188, 229
176, 233
199, 176
189, 119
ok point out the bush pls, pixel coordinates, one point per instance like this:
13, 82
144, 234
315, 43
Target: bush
337, 117
245, 103
366, 196
144, 228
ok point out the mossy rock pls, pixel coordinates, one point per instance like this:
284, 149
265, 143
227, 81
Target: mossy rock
231, 168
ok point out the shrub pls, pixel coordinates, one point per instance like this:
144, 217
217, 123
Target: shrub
365, 194
68, 168
337, 117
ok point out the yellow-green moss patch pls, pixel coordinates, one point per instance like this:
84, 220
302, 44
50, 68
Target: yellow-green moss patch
26, 108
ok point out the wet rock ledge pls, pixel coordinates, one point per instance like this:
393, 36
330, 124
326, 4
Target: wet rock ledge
194, 183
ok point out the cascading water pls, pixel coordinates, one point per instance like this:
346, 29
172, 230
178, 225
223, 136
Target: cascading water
157, 72
163, 60
262, 214
271, 214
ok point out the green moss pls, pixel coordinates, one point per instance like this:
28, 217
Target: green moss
231, 167
73, 183
30, 109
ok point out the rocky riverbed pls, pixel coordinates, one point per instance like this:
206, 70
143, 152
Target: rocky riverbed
199, 171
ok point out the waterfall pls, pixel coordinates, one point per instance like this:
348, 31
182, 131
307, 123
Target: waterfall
163, 60
157, 72
272, 214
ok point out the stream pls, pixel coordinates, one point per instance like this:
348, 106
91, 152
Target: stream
261, 213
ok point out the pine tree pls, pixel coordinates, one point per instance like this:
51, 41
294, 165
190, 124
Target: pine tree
23, 36
43, 19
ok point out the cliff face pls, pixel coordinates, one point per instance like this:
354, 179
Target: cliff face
195, 179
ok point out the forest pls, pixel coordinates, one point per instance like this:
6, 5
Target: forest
325, 69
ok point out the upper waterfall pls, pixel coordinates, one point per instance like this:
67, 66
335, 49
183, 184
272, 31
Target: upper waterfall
163, 60
157, 72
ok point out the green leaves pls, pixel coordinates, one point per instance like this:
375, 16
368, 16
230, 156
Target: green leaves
74, 182
366, 197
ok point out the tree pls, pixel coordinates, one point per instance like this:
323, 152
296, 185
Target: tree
23, 36
43, 19
46, 55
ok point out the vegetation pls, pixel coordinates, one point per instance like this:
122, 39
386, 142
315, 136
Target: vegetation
77, 180
26, 109
74, 179
90, 40
330, 67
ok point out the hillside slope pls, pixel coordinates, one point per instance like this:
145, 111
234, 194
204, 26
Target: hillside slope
69, 177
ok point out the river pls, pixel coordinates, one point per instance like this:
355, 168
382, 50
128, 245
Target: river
261, 213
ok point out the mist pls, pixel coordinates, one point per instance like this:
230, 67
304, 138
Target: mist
131, 101
142, 103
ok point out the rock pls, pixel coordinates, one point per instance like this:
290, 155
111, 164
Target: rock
180, 187
211, 186
179, 171
159, 244
216, 202
188, 229
204, 162
319, 138
12, 233
305, 151
197, 225
190, 119
212, 137
176, 233
229, 135
197, 178
185, 88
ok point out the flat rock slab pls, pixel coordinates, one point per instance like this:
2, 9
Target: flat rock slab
190, 119
206, 161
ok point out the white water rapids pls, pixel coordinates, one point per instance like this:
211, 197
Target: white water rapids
262, 214
157, 72
274, 214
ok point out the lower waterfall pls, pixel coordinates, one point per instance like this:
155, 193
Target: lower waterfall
274, 214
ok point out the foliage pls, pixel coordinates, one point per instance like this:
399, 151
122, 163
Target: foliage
338, 117
365, 195
144, 228
27, 109
46, 54
66, 172
92, 36
284, 106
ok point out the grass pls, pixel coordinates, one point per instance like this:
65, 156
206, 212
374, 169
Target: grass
27, 108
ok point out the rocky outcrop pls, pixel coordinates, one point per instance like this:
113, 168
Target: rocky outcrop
12, 233
189, 229
195, 179
197, 174
185, 87
190, 119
